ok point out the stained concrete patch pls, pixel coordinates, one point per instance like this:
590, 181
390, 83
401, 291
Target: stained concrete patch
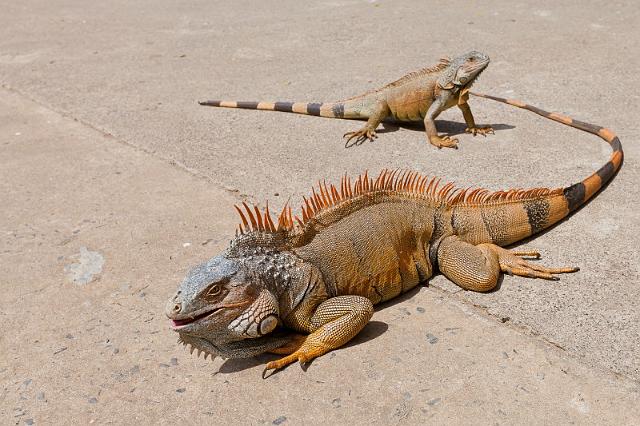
543, 13
19, 59
579, 403
88, 267
249, 53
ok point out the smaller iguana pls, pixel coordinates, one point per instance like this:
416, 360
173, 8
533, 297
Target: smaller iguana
361, 243
418, 96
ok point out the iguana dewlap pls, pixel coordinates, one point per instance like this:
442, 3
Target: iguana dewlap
360, 243
418, 96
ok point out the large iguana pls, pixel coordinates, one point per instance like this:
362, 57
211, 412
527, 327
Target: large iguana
418, 96
359, 244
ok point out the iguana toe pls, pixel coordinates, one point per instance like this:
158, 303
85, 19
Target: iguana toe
280, 363
361, 136
484, 131
513, 264
299, 355
444, 142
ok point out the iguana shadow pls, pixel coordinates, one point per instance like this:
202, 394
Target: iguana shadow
451, 128
372, 330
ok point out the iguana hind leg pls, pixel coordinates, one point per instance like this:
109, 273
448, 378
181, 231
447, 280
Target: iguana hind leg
334, 322
368, 132
478, 267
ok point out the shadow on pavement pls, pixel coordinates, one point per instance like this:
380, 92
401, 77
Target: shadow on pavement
372, 330
451, 128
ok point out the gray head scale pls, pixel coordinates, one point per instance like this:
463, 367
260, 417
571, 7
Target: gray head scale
463, 70
206, 297
223, 308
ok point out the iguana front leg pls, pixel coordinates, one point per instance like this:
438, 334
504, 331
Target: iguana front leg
368, 132
471, 124
478, 267
333, 323
430, 127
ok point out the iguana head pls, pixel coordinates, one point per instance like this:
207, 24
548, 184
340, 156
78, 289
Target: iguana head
233, 304
223, 307
463, 70
210, 297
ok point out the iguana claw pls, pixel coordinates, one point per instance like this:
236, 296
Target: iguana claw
264, 372
361, 136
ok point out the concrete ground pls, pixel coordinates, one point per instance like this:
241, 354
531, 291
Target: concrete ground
113, 182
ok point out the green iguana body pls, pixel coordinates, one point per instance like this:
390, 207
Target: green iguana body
418, 96
359, 244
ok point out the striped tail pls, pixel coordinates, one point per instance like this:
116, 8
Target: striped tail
581, 192
537, 209
329, 110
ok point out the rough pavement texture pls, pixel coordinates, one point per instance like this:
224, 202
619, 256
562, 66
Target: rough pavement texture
99, 349
72, 195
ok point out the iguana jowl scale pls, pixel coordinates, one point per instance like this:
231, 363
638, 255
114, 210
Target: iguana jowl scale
419, 96
360, 244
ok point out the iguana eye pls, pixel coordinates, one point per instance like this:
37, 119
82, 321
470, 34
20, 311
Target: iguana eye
214, 290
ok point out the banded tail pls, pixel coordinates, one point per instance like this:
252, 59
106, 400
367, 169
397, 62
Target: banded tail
545, 208
327, 109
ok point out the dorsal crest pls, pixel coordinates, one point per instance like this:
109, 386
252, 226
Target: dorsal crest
402, 183
261, 221
442, 64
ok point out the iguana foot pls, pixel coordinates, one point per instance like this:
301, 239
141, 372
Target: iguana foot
293, 345
478, 267
361, 136
512, 263
484, 131
305, 353
443, 141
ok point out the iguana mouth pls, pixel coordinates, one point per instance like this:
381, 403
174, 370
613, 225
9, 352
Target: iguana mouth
180, 323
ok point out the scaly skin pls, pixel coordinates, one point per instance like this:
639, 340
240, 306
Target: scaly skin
418, 96
303, 289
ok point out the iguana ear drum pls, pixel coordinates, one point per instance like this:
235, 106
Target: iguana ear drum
268, 324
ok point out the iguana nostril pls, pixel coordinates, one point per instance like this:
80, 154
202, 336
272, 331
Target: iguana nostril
176, 308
